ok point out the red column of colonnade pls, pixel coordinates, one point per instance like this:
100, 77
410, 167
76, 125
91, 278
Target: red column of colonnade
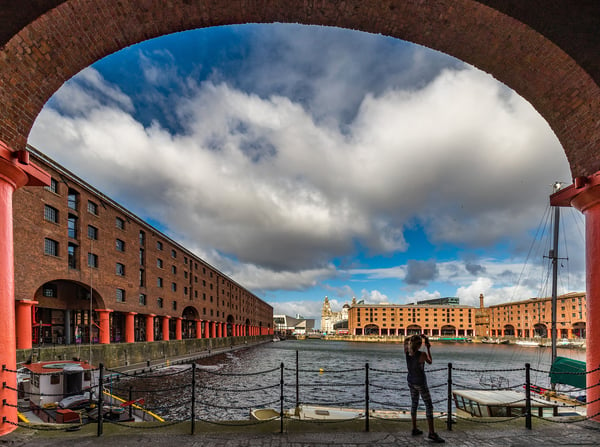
103, 326
178, 335
130, 327
150, 327
165, 327
24, 326
15, 172
198, 328
584, 195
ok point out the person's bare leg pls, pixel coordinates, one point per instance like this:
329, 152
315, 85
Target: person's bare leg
430, 424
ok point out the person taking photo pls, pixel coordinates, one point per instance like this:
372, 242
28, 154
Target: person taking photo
417, 383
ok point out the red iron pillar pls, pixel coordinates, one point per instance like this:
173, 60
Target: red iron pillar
15, 172
584, 195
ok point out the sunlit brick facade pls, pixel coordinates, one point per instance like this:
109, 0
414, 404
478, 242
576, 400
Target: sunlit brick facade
71, 240
520, 319
395, 319
533, 318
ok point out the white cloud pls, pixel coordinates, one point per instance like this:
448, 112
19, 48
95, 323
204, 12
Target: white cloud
421, 295
283, 189
374, 296
305, 308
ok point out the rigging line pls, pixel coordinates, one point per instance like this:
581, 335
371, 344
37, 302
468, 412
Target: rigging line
541, 226
546, 271
576, 226
565, 279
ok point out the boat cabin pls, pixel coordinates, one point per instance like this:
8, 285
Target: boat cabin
52, 382
499, 403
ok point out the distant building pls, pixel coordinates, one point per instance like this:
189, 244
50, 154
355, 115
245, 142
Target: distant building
446, 300
407, 319
519, 319
533, 317
287, 325
334, 321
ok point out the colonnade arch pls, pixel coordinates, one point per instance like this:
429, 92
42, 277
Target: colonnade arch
40, 55
60, 313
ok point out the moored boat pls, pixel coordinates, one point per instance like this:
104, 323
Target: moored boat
65, 392
329, 413
528, 343
499, 403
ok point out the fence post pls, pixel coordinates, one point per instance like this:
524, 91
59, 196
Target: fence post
297, 383
193, 397
281, 399
527, 396
100, 398
131, 405
366, 397
449, 415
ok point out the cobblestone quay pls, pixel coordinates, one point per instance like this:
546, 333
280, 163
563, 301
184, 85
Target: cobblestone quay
348, 434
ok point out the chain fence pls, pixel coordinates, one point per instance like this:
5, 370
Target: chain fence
187, 394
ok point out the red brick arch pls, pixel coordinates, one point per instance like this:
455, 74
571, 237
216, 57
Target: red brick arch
62, 41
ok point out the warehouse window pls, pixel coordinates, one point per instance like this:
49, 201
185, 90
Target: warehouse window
50, 247
92, 208
50, 214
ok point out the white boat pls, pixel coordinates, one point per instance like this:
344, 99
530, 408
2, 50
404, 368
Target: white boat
566, 343
499, 403
495, 341
65, 392
528, 343
328, 413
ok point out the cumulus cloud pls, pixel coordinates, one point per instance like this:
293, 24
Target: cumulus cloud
274, 174
305, 308
421, 295
374, 296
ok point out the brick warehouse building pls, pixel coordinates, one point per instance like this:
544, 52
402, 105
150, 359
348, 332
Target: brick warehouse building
407, 319
533, 318
72, 241
519, 319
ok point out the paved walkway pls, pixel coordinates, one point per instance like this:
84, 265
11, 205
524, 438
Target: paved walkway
464, 433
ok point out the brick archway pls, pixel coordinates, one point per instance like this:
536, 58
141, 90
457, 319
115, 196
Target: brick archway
60, 42
46, 42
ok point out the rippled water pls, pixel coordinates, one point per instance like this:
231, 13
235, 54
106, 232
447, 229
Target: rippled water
332, 373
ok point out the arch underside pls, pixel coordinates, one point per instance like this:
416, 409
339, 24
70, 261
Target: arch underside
47, 52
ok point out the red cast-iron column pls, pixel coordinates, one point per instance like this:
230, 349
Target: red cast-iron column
130, 327
24, 328
150, 327
165, 327
178, 335
198, 328
104, 325
15, 172
584, 195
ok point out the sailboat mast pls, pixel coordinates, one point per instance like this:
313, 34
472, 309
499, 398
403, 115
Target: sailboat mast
554, 257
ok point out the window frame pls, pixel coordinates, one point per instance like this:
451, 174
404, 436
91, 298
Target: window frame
50, 214
54, 245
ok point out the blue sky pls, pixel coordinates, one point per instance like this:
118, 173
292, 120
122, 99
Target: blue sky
307, 162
